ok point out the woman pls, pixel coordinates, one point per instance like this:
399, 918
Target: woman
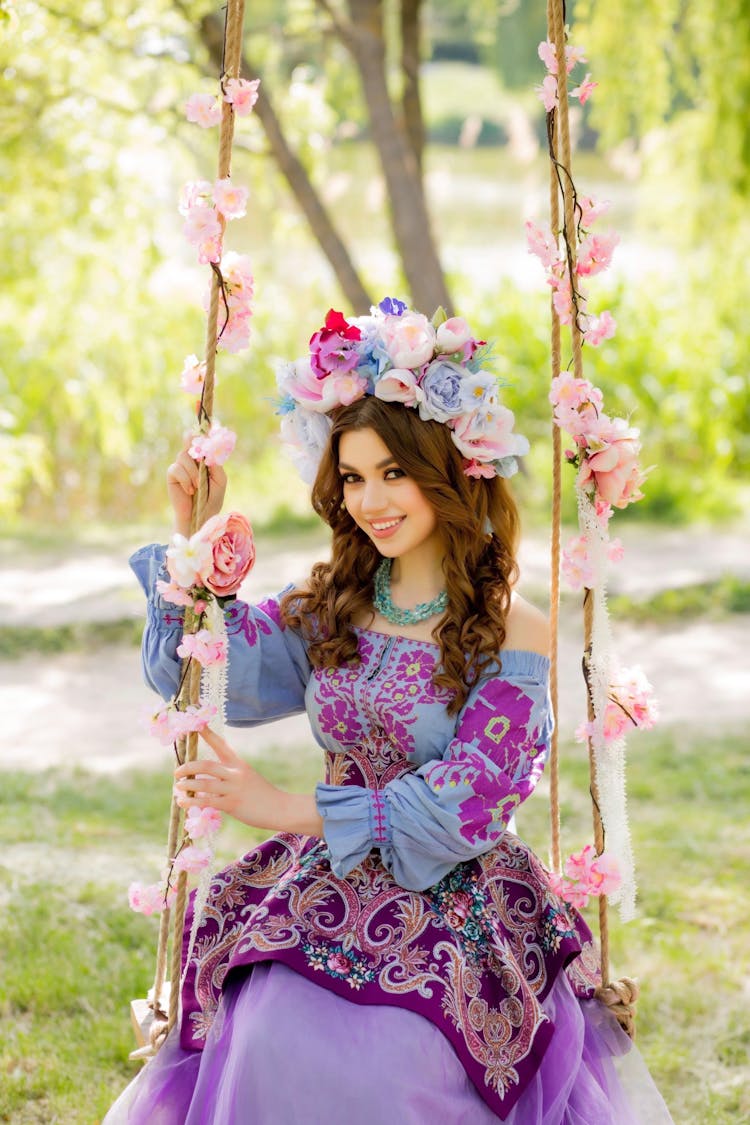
393, 953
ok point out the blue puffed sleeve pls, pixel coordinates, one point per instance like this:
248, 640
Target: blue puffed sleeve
267, 668
457, 806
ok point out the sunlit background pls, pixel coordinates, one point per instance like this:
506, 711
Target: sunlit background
101, 300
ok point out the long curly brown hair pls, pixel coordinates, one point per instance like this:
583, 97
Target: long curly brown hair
480, 569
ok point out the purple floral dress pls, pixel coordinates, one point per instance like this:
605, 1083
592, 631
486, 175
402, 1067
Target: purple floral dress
417, 896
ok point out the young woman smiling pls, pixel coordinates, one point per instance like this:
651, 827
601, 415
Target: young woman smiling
393, 952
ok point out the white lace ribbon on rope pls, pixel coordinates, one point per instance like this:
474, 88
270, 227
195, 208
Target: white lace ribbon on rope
609, 757
214, 692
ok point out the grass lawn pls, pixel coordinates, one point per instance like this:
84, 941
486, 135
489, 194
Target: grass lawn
73, 955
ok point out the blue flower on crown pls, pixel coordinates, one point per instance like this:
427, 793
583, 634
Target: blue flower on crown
391, 306
374, 358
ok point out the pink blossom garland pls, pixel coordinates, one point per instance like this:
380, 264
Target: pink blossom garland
586, 875
213, 562
631, 704
605, 453
215, 447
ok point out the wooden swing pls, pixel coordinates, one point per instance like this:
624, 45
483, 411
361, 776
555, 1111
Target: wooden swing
154, 1017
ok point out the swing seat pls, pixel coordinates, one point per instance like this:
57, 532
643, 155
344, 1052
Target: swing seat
142, 1017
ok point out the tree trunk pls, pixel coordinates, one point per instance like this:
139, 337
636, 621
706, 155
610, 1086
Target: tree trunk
364, 36
328, 238
411, 102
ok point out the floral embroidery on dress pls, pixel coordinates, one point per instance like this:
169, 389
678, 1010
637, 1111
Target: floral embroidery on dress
557, 926
240, 619
338, 963
460, 902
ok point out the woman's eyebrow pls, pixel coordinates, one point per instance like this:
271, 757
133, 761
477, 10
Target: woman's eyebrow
380, 465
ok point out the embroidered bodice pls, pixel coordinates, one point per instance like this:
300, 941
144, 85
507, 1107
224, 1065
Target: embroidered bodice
427, 788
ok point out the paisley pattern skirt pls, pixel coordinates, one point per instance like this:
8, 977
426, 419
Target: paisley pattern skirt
312, 998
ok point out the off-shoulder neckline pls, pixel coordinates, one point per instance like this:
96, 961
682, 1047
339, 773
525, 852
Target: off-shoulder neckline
524, 652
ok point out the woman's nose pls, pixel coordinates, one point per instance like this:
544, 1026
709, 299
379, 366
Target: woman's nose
374, 497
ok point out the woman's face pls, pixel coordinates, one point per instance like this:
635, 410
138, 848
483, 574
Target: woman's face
381, 499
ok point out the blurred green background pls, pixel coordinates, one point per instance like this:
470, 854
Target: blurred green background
100, 300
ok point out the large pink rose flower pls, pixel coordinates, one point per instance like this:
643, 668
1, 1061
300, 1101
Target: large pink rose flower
409, 339
614, 471
231, 540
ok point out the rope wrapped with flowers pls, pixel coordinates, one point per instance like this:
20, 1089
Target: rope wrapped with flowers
605, 454
208, 565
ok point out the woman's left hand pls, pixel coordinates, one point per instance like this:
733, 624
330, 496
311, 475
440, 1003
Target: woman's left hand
229, 784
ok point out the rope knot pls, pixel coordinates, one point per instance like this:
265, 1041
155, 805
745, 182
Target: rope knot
620, 997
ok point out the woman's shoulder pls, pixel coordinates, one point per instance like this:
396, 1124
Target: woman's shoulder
526, 628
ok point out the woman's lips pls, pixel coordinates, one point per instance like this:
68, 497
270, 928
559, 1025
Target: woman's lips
381, 532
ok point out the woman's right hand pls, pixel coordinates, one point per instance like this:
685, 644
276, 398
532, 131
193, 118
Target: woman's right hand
182, 485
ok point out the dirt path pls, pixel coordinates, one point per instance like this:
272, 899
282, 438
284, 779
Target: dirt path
89, 709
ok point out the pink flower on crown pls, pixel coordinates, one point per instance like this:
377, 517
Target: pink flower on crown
349, 386
409, 339
399, 384
452, 335
299, 380
479, 470
488, 435
332, 348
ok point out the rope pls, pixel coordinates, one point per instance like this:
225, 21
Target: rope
188, 747
619, 996
554, 611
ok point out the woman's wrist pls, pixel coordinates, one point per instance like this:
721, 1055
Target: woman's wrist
298, 813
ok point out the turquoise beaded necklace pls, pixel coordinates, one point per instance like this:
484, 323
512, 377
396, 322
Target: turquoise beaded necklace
383, 602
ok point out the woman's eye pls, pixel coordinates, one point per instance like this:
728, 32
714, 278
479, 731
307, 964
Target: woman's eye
394, 474
349, 478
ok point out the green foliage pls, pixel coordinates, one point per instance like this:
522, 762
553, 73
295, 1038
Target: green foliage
716, 599
100, 299
672, 369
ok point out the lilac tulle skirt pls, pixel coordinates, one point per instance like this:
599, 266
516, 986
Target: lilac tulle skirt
284, 1051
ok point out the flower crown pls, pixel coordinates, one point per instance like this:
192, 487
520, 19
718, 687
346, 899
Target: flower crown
433, 366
